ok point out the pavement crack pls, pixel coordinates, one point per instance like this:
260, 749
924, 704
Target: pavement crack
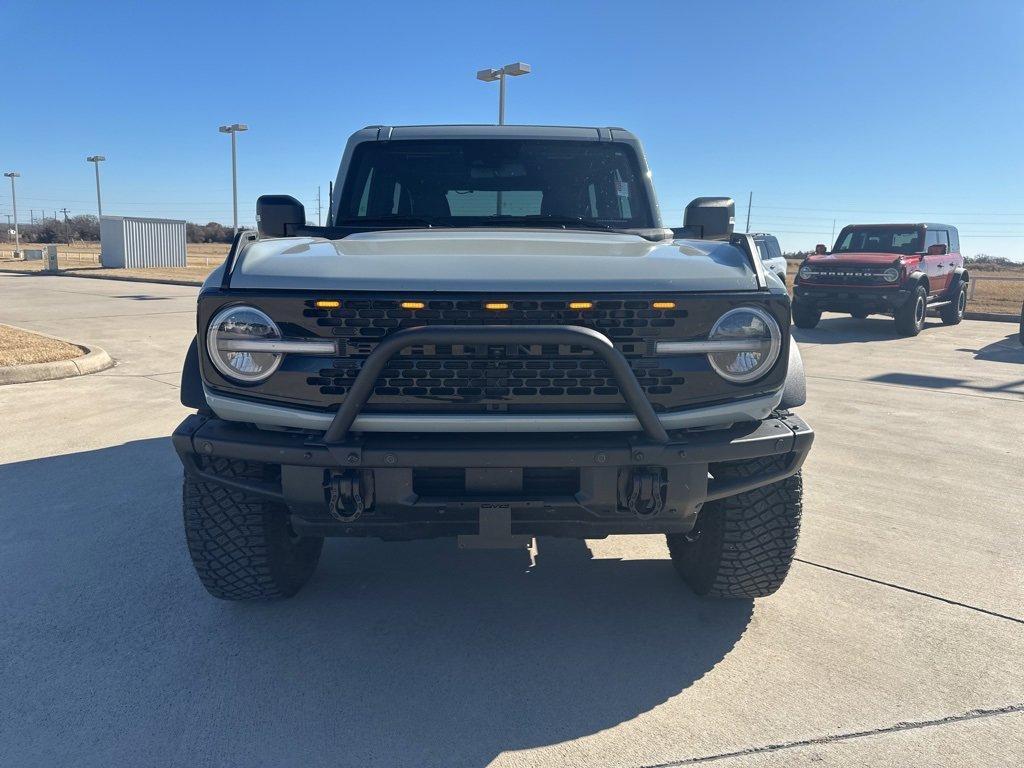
973, 714
912, 591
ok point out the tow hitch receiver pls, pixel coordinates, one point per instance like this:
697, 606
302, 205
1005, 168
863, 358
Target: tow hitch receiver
348, 494
642, 490
495, 530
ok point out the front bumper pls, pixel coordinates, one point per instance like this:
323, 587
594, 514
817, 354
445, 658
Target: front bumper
850, 299
421, 486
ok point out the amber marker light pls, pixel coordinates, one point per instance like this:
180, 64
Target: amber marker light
663, 304
327, 304
496, 306
581, 305
413, 305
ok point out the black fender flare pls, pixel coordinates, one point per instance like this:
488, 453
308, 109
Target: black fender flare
794, 392
917, 278
192, 394
960, 275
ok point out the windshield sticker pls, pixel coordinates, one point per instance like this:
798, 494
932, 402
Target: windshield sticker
622, 188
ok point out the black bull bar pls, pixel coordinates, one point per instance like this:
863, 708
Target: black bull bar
597, 343
343, 463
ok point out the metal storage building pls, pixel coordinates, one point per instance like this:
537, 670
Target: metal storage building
131, 242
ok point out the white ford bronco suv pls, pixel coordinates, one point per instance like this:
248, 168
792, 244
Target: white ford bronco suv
492, 338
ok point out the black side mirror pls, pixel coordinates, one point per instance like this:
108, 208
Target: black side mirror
276, 215
708, 218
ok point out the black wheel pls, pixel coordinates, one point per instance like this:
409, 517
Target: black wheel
743, 545
910, 317
243, 546
953, 313
804, 317
860, 314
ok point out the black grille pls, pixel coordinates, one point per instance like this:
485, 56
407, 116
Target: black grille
849, 276
475, 374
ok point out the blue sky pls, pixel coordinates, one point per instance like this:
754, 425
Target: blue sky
856, 112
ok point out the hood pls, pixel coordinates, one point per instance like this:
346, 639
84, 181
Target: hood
855, 258
513, 260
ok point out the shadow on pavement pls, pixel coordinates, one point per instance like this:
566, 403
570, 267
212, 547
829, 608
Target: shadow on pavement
395, 654
943, 382
1007, 350
849, 330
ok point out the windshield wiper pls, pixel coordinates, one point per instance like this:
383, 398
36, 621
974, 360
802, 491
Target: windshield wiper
387, 221
547, 220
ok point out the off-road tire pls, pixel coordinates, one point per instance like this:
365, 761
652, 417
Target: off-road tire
742, 545
243, 546
859, 315
804, 317
953, 313
909, 318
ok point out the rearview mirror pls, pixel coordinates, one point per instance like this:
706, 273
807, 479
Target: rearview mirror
938, 249
277, 214
820, 249
708, 218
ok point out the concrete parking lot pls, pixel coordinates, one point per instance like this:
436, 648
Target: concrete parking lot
897, 640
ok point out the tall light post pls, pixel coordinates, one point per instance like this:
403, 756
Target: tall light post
509, 70
96, 160
233, 129
12, 175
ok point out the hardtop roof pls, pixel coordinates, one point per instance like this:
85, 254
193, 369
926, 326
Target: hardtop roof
484, 131
926, 225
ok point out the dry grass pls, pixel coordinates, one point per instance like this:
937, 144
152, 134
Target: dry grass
1001, 296
83, 259
19, 347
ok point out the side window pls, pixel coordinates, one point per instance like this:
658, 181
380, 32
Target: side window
762, 249
622, 193
484, 202
774, 250
364, 199
937, 237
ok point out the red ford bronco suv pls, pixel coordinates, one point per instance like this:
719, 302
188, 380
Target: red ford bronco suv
903, 270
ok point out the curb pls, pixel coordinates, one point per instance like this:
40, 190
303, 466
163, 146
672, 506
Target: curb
997, 317
94, 360
121, 278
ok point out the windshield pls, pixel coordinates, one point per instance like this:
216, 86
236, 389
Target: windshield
496, 182
882, 239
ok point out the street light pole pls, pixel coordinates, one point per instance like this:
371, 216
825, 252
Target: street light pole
509, 70
12, 175
233, 129
96, 160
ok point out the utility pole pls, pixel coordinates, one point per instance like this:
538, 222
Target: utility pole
750, 201
67, 225
12, 175
31, 216
830, 242
318, 205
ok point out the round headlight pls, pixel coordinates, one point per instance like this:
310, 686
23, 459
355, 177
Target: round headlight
891, 275
806, 272
226, 340
751, 344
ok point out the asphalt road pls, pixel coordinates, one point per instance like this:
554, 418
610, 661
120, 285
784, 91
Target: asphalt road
897, 640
